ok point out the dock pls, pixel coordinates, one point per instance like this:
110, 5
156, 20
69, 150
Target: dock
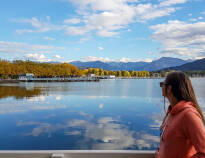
74, 79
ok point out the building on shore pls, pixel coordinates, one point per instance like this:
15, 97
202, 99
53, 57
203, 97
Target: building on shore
91, 75
156, 75
111, 76
26, 76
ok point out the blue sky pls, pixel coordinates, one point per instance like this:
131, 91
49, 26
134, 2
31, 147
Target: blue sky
106, 30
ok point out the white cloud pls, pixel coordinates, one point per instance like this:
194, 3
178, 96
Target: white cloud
125, 59
105, 120
82, 40
84, 114
100, 48
107, 133
45, 128
37, 57
106, 33
157, 118
137, 60
181, 38
172, 2
49, 38
74, 133
36, 99
147, 60
199, 57
106, 18
58, 97
200, 18
41, 57
17, 47
39, 25
148, 12
147, 141
101, 106
72, 21
57, 56
71, 30
92, 58
29, 105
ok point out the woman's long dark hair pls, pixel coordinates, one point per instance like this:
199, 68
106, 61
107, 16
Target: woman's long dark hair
182, 89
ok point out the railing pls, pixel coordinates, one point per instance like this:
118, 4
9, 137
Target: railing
76, 154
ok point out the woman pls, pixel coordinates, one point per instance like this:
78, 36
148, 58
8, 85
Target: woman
182, 131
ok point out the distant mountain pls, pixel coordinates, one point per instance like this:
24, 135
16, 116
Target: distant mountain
92, 64
164, 62
127, 66
159, 64
115, 66
195, 65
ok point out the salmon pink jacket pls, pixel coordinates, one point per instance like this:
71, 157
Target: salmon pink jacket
183, 133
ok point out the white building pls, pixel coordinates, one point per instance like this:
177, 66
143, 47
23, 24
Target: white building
92, 75
112, 76
26, 76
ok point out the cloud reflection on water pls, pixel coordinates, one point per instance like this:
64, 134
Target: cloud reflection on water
9, 107
109, 133
105, 133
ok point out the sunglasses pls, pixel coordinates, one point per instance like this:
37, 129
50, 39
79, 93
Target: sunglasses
162, 83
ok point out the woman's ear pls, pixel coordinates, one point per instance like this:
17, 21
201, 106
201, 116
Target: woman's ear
169, 89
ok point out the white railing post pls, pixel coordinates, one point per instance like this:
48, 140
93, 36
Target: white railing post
57, 155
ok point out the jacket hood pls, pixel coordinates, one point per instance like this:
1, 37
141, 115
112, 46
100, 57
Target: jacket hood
180, 106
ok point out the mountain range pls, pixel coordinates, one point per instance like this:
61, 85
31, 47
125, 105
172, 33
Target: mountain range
162, 63
191, 66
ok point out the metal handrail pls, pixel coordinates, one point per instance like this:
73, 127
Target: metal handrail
76, 154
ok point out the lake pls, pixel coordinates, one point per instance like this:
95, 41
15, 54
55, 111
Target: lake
121, 114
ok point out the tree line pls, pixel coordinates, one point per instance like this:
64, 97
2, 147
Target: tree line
192, 73
200, 73
123, 73
13, 69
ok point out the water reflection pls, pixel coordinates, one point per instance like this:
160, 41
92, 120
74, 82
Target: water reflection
34, 103
41, 128
112, 114
109, 133
106, 133
18, 92
157, 120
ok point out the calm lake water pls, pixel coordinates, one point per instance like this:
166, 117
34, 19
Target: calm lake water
110, 114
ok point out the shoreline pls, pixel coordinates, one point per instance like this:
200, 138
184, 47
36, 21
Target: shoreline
96, 79
50, 80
